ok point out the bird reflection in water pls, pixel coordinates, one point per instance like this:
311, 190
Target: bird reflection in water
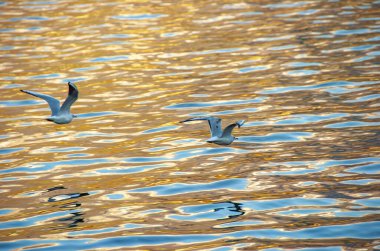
75, 215
73, 219
234, 207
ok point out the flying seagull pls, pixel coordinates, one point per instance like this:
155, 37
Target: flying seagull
59, 114
217, 135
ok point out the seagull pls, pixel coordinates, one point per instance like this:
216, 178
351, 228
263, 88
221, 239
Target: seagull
59, 115
217, 135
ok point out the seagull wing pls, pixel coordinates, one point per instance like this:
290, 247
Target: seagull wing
215, 124
228, 130
53, 102
71, 98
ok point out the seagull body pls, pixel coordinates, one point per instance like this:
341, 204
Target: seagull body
217, 135
59, 114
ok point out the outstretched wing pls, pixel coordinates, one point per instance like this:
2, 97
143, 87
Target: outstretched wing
71, 98
53, 102
228, 130
215, 124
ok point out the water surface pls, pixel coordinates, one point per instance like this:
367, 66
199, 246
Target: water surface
125, 175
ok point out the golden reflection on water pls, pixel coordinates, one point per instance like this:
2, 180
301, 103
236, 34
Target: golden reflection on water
303, 75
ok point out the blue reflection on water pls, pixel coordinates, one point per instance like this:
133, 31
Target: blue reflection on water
5, 211
176, 156
325, 86
306, 211
194, 105
364, 98
139, 16
47, 76
361, 47
66, 149
309, 118
277, 137
84, 69
370, 202
160, 129
15, 103
366, 169
115, 196
374, 39
132, 169
29, 18
303, 64
352, 124
368, 165
352, 32
117, 36
360, 182
109, 58
287, 5
33, 221
10, 150
46, 166
181, 188
281, 203
186, 154
366, 230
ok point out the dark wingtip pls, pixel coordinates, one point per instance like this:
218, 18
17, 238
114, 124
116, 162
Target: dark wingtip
240, 123
72, 85
21, 90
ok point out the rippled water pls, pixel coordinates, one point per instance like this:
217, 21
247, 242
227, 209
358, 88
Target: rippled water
125, 175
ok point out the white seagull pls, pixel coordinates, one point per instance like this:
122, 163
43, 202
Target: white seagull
59, 114
217, 135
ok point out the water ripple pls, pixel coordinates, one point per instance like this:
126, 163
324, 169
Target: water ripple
139, 16
302, 175
180, 188
365, 230
193, 105
327, 86
277, 137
